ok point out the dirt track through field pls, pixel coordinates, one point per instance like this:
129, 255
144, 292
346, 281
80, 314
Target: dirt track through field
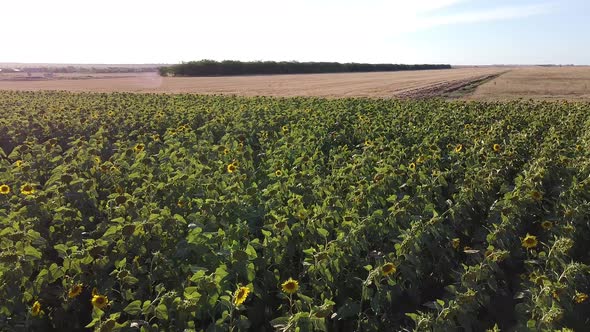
381, 84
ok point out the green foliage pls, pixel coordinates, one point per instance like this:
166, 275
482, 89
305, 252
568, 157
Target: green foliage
183, 212
230, 67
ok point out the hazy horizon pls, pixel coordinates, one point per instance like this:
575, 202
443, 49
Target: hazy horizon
456, 32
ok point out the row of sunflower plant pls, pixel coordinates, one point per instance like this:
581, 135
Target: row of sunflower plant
210, 213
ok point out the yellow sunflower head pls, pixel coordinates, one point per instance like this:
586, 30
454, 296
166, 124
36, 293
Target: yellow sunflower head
75, 291
4, 189
290, 286
110, 113
547, 225
580, 297
529, 241
36, 309
388, 268
497, 148
241, 295
459, 148
285, 129
578, 147
368, 143
225, 151
19, 163
138, 148
456, 242
412, 167
27, 189
231, 168
99, 301
278, 173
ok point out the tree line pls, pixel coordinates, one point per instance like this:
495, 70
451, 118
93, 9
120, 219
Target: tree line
230, 67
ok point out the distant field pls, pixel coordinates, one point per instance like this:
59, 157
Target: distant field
550, 83
380, 84
497, 83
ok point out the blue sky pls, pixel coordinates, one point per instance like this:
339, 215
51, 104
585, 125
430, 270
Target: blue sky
459, 32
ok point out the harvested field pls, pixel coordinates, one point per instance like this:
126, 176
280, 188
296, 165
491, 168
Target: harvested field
471, 83
543, 83
382, 84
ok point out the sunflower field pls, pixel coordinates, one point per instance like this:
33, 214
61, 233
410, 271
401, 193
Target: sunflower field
129, 212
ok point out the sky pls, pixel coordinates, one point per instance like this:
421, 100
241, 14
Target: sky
457, 32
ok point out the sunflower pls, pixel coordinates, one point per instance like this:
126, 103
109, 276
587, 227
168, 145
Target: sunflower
497, 147
231, 168
99, 301
420, 160
36, 309
580, 297
530, 241
547, 225
285, 129
459, 148
121, 199
4, 189
111, 113
387, 269
225, 151
19, 163
578, 148
138, 148
27, 189
456, 242
412, 167
241, 295
279, 173
97, 159
536, 195
290, 286
368, 143
75, 291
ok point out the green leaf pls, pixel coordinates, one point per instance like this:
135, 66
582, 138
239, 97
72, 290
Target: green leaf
111, 233
93, 323
191, 293
162, 311
279, 322
133, 308
62, 250
31, 252
120, 263
146, 307
323, 232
